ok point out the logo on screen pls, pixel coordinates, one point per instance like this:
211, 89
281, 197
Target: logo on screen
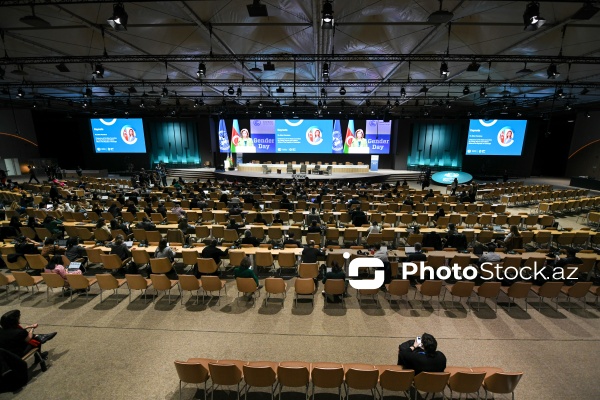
373, 123
314, 135
294, 123
108, 123
256, 122
506, 136
128, 134
487, 122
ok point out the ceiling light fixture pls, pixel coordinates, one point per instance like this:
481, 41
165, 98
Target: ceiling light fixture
280, 90
440, 16
88, 92
118, 20
466, 90
424, 89
525, 70
34, 20
111, 90
323, 92
165, 92
239, 91
230, 91
342, 91
402, 92
531, 17
256, 9
327, 20
20, 93
255, 69
99, 71
444, 72
325, 72
560, 92
552, 71
269, 66
201, 73
482, 92
62, 67
473, 67
587, 114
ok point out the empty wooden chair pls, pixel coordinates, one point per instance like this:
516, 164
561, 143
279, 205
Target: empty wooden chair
361, 377
112, 262
327, 375
461, 289
549, 290
397, 287
163, 284
431, 382
304, 286
26, 280
429, 288
518, 290
192, 372
109, 282
502, 383
394, 378
189, 283
6, 281
161, 265
207, 266
260, 374
308, 270
18, 265
578, 291
137, 282
275, 286
465, 382
487, 290
36, 261
293, 374
80, 282
52, 281
225, 375
367, 292
212, 284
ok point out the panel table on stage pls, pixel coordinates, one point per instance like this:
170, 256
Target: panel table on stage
343, 169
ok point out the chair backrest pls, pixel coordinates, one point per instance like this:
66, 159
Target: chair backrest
140, 256
259, 375
399, 287
550, 289
207, 265
36, 261
78, 282
189, 282
304, 286
211, 283
160, 282
308, 270
111, 261
275, 285
519, 289
107, 281
489, 289
502, 382
466, 382
362, 377
431, 382
191, 372
160, 265
136, 282
4, 280
53, 280
246, 285
393, 377
327, 375
431, 288
189, 256
293, 376
579, 289
335, 286
225, 374
94, 255
263, 258
23, 278
462, 288
20, 264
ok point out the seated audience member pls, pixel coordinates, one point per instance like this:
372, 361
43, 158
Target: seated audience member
408, 201
33, 222
212, 251
291, 240
146, 225
51, 249
336, 272
20, 340
101, 224
118, 223
418, 255
439, 213
428, 195
277, 219
359, 218
164, 251
259, 219
245, 271
16, 224
513, 240
178, 210
374, 228
433, 239
75, 252
313, 217
455, 239
55, 266
24, 245
233, 225
314, 228
310, 253
490, 255
249, 239
118, 247
54, 226
421, 356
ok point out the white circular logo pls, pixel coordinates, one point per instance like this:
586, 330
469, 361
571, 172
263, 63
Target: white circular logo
488, 123
451, 175
108, 123
294, 123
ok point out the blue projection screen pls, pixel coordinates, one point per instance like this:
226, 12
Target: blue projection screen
118, 135
496, 137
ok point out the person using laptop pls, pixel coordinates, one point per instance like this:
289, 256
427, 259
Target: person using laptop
118, 247
55, 266
212, 251
277, 219
164, 251
311, 253
335, 272
75, 252
259, 219
51, 249
291, 240
249, 239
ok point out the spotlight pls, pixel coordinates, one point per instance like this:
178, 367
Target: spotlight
444, 72
584, 91
62, 67
324, 104
342, 91
201, 73
85, 104
88, 92
118, 21
531, 17
230, 90
142, 105
323, 92
525, 70
568, 106
325, 70
482, 92
111, 90
402, 92
473, 67
280, 90
99, 71
269, 66
34, 105
327, 20
440, 16
257, 10
397, 103
20, 93
466, 90
587, 114
552, 72
319, 104
165, 92
424, 89
388, 104
559, 92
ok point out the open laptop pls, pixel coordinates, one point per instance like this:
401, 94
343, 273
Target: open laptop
74, 266
129, 244
61, 242
409, 250
103, 197
498, 228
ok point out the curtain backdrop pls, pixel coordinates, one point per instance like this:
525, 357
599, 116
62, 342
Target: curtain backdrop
174, 142
437, 145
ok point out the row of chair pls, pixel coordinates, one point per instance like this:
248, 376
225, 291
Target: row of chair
328, 375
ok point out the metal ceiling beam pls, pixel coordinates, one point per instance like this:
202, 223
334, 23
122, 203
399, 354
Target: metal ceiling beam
494, 58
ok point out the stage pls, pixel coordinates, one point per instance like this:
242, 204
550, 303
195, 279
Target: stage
383, 175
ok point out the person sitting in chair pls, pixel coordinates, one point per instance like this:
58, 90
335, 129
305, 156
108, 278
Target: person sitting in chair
421, 356
249, 239
291, 240
20, 340
245, 271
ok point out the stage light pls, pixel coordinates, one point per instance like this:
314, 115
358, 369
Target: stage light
142, 105
473, 67
559, 92
230, 91
552, 72
20, 93
568, 106
268, 66
397, 103
587, 114
239, 91
34, 105
525, 70
257, 10
388, 104
118, 20
201, 73
466, 90
424, 89
342, 91
326, 71
319, 104
111, 90
62, 67
584, 91
88, 92
323, 92
325, 104
34, 20
440, 16
280, 90
85, 104
402, 92
444, 72
327, 20
99, 71
165, 92
255, 69
531, 17
482, 92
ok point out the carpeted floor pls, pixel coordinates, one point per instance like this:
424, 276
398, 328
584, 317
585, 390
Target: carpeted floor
123, 350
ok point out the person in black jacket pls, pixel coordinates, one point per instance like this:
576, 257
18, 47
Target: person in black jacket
433, 239
416, 258
249, 239
311, 253
212, 251
421, 356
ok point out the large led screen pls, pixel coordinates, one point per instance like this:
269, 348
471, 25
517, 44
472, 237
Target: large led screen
118, 135
305, 136
496, 137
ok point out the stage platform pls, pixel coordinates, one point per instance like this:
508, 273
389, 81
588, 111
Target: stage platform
383, 175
